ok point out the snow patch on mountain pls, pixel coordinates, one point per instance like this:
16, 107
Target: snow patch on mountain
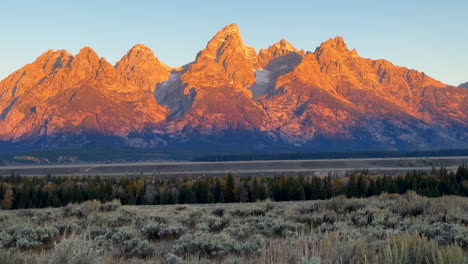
262, 83
171, 95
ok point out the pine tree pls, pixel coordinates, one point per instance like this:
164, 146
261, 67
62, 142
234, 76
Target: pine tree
352, 189
217, 190
210, 197
328, 187
316, 188
230, 190
193, 197
244, 192
362, 186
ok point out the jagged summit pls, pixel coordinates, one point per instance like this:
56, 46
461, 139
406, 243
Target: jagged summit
225, 40
329, 99
276, 50
334, 49
226, 61
337, 43
463, 85
229, 29
140, 47
87, 53
283, 44
138, 54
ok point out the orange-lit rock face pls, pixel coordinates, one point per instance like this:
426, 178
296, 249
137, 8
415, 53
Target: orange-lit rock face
225, 61
282, 94
61, 93
141, 70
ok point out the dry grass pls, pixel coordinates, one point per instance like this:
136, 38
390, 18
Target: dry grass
389, 229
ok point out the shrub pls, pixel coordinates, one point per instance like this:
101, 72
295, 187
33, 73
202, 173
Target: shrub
110, 220
247, 212
330, 217
192, 219
151, 230
269, 205
155, 231
214, 245
173, 259
442, 232
312, 260
3, 218
74, 251
217, 224
239, 231
205, 244
233, 260
72, 226
171, 231
181, 208
219, 212
351, 205
272, 226
82, 210
123, 243
141, 221
41, 217
110, 206
27, 236
461, 238
136, 248
413, 208
362, 217
335, 204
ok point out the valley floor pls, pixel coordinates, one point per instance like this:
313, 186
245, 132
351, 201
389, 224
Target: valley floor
389, 228
337, 167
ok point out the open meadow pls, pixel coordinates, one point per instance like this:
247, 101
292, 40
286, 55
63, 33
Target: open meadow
389, 228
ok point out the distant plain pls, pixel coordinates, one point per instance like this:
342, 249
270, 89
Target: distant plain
336, 167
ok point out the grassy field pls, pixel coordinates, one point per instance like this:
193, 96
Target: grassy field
389, 228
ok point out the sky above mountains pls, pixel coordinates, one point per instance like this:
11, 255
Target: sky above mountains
429, 36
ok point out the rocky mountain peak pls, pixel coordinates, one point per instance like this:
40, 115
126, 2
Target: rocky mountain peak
227, 32
87, 54
226, 40
140, 48
86, 62
51, 60
332, 54
141, 69
333, 49
276, 50
226, 61
285, 45
463, 85
138, 55
229, 29
337, 43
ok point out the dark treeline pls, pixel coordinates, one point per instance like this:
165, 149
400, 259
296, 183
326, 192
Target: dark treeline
39, 192
332, 155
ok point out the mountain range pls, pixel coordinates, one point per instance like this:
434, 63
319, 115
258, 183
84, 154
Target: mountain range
231, 97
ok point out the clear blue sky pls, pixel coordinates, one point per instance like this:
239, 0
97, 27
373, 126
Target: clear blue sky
430, 36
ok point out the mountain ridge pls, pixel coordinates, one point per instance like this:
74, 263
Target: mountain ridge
276, 97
